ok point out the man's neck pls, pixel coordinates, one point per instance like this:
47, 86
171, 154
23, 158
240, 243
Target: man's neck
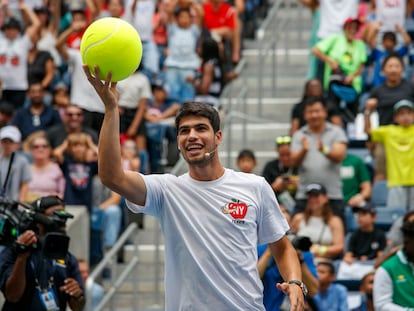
317, 129
392, 83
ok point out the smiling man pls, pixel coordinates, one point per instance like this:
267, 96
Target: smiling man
212, 217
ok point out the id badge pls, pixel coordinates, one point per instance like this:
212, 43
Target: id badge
47, 297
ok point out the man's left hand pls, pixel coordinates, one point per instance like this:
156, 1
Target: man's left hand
72, 288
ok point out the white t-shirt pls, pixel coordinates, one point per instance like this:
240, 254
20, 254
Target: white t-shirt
82, 92
211, 231
13, 62
132, 89
333, 14
142, 17
390, 13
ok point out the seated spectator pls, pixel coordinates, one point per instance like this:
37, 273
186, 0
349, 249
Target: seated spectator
246, 161
131, 161
318, 149
60, 98
331, 296
98, 291
15, 188
47, 177
213, 77
77, 159
365, 290
344, 56
313, 88
356, 186
325, 230
220, 19
38, 115
279, 173
367, 242
394, 279
6, 113
106, 206
160, 124
398, 142
72, 123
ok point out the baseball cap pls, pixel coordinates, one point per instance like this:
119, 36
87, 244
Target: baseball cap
351, 20
10, 132
366, 207
315, 189
404, 103
43, 203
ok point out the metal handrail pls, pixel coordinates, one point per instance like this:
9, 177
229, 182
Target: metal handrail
115, 282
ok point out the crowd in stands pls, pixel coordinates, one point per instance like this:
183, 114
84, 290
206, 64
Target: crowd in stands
359, 69
344, 172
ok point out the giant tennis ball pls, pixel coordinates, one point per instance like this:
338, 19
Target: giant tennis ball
113, 45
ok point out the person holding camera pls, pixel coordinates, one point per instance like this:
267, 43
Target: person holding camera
36, 280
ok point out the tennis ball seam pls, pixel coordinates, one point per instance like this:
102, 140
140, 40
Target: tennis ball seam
85, 52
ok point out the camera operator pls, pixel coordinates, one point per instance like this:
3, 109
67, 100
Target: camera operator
29, 279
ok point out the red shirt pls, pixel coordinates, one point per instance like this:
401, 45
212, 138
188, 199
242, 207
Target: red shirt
224, 16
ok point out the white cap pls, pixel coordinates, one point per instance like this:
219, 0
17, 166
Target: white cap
10, 132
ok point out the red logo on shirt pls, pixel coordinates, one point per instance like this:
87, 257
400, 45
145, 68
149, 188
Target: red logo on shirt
236, 209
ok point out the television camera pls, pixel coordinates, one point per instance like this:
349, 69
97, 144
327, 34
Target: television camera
17, 217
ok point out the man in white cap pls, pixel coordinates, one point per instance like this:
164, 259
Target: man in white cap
13, 182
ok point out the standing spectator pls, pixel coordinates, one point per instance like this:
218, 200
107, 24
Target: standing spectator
20, 173
246, 161
72, 123
367, 242
37, 116
182, 60
141, 13
394, 279
14, 50
41, 67
398, 141
318, 149
317, 222
47, 177
160, 21
331, 296
81, 93
280, 173
134, 94
345, 56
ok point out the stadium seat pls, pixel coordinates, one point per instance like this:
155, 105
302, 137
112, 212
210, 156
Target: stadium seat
379, 193
386, 216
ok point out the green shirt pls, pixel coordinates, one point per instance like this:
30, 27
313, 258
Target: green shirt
402, 274
353, 173
349, 56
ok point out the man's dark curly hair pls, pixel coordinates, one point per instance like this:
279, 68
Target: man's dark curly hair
408, 226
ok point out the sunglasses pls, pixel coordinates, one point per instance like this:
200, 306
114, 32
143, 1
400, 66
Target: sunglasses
76, 114
283, 140
40, 146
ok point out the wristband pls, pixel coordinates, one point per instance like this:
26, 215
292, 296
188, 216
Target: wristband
325, 150
323, 249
